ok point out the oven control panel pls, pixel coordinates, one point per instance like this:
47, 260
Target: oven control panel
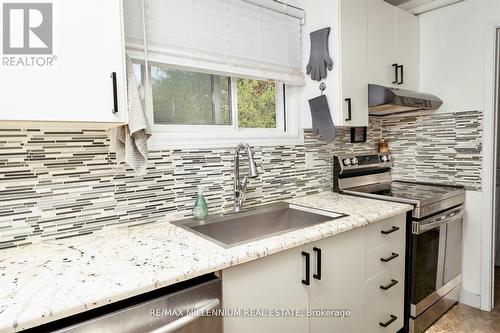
348, 166
365, 160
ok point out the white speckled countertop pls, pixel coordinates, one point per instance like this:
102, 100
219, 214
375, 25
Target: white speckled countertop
55, 279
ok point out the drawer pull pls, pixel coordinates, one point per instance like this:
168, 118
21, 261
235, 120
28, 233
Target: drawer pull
402, 67
390, 285
392, 257
115, 92
317, 276
396, 73
307, 280
349, 109
390, 321
387, 232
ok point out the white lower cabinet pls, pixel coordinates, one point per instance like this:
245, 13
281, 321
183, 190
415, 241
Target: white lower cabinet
346, 276
273, 282
385, 274
341, 284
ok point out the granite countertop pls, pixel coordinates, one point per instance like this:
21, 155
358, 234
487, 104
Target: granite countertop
55, 279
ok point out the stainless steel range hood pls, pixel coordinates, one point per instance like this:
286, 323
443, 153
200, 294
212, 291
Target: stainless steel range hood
385, 101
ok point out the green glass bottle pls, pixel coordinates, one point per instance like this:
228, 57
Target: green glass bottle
200, 210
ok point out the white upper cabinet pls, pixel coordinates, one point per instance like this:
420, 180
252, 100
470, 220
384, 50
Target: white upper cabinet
407, 49
393, 46
346, 84
381, 43
353, 63
58, 63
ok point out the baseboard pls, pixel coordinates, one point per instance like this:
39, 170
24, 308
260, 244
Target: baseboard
470, 299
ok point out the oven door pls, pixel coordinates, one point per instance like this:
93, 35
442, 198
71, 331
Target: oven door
436, 247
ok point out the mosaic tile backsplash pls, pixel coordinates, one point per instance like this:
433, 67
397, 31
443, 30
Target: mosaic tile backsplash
56, 184
437, 148
64, 183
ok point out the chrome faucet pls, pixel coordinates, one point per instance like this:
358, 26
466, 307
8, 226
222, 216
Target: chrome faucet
240, 186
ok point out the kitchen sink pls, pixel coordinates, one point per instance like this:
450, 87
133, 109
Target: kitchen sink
233, 229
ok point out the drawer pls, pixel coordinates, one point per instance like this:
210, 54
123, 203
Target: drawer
375, 294
375, 266
394, 235
382, 312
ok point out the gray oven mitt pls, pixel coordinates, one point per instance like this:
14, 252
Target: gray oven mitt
321, 118
319, 60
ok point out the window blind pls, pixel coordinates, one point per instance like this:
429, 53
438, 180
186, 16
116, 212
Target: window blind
228, 37
134, 28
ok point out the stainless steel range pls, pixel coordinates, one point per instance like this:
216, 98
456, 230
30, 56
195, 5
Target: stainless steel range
434, 234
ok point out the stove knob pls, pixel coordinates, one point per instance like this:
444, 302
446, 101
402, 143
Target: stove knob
384, 158
354, 161
347, 161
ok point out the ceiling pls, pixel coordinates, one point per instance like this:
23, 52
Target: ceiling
421, 6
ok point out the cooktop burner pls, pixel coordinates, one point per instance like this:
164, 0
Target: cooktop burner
416, 192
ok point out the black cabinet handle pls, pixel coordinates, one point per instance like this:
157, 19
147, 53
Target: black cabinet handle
349, 109
392, 257
387, 232
115, 92
390, 285
396, 73
390, 321
401, 78
317, 276
307, 280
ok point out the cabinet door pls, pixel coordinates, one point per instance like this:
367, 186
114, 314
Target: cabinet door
342, 283
354, 63
273, 282
407, 48
381, 43
87, 47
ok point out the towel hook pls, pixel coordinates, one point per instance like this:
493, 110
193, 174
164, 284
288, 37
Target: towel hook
322, 87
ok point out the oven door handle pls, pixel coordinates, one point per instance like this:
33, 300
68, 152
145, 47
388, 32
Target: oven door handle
419, 228
189, 318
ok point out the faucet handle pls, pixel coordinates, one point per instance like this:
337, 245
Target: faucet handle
244, 184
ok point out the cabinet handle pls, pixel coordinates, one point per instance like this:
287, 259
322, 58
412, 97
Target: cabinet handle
115, 92
396, 73
387, 232
392, 257
308, 268
390, 285
401, 79
390, 321
349, 109
317, 276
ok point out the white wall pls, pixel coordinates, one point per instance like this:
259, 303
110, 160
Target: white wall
452, 53
452, 64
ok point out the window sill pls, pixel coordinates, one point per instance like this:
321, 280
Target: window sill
164, 140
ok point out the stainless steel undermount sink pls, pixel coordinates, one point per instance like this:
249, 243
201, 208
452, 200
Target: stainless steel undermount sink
233, 229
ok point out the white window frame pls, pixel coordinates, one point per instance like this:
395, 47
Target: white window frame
223, 136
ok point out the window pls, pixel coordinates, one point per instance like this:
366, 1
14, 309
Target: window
190, 98
181, 97
206, 82
256, 103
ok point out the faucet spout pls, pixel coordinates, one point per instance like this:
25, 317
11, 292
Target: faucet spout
240, 186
